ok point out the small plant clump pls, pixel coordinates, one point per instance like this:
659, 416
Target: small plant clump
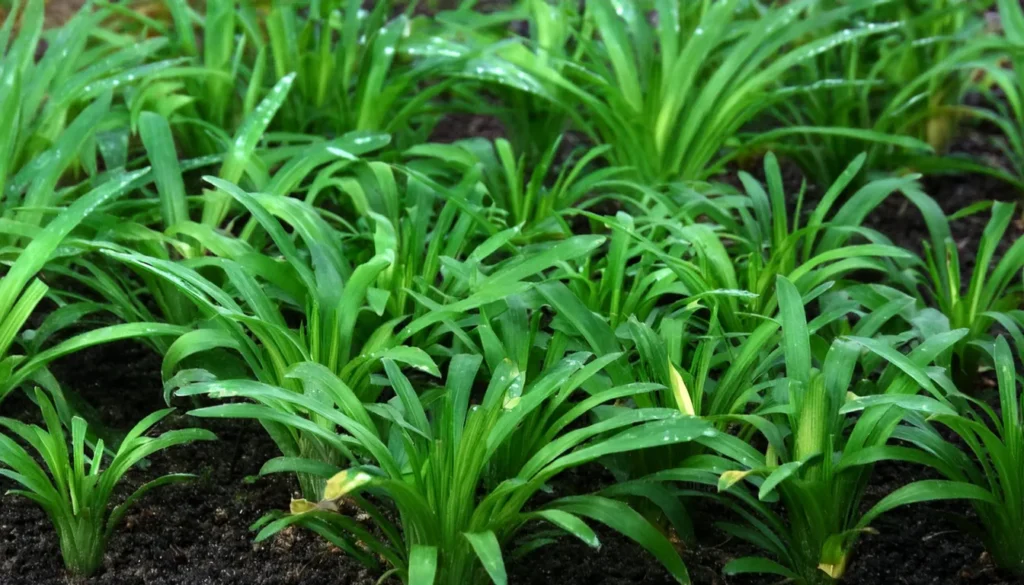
75, 489
665, 266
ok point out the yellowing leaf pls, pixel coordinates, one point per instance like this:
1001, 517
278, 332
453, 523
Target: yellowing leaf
835, 553
345, 482
834, 571
681, 393
731, 478
301, 506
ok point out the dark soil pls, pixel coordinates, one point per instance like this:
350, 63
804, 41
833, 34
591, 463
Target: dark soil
923, 544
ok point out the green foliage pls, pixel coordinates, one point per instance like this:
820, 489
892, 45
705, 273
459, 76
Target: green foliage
431, 333
717, 250
819, 458
21, 292
897, 95
250, 314
1004, 88
992, 460
355, 71
63, 115
668, 97
352, 70
506, 86
350, 313
522, 194
75, 489
766, 241
993, 290
164, 222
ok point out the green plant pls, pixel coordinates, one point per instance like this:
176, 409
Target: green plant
819, 459
427, 453
21, 291
897, 96
348, 319
766, 242
705, 369
993, 461
203, 101
315, 280
426, 224
719, 375
318, 280
501, 68
351, 69
670, 97
62, 117
74, 490
631, 281
700, 370
993, 291
731, 261
355, 71
1004, 88
522, 193
158, 221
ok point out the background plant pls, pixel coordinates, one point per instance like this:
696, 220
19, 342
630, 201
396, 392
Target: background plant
21, 292
1003, 86
669, 97
497, 78
350, 67
531, 197
898, 96
65, 110
992, 291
